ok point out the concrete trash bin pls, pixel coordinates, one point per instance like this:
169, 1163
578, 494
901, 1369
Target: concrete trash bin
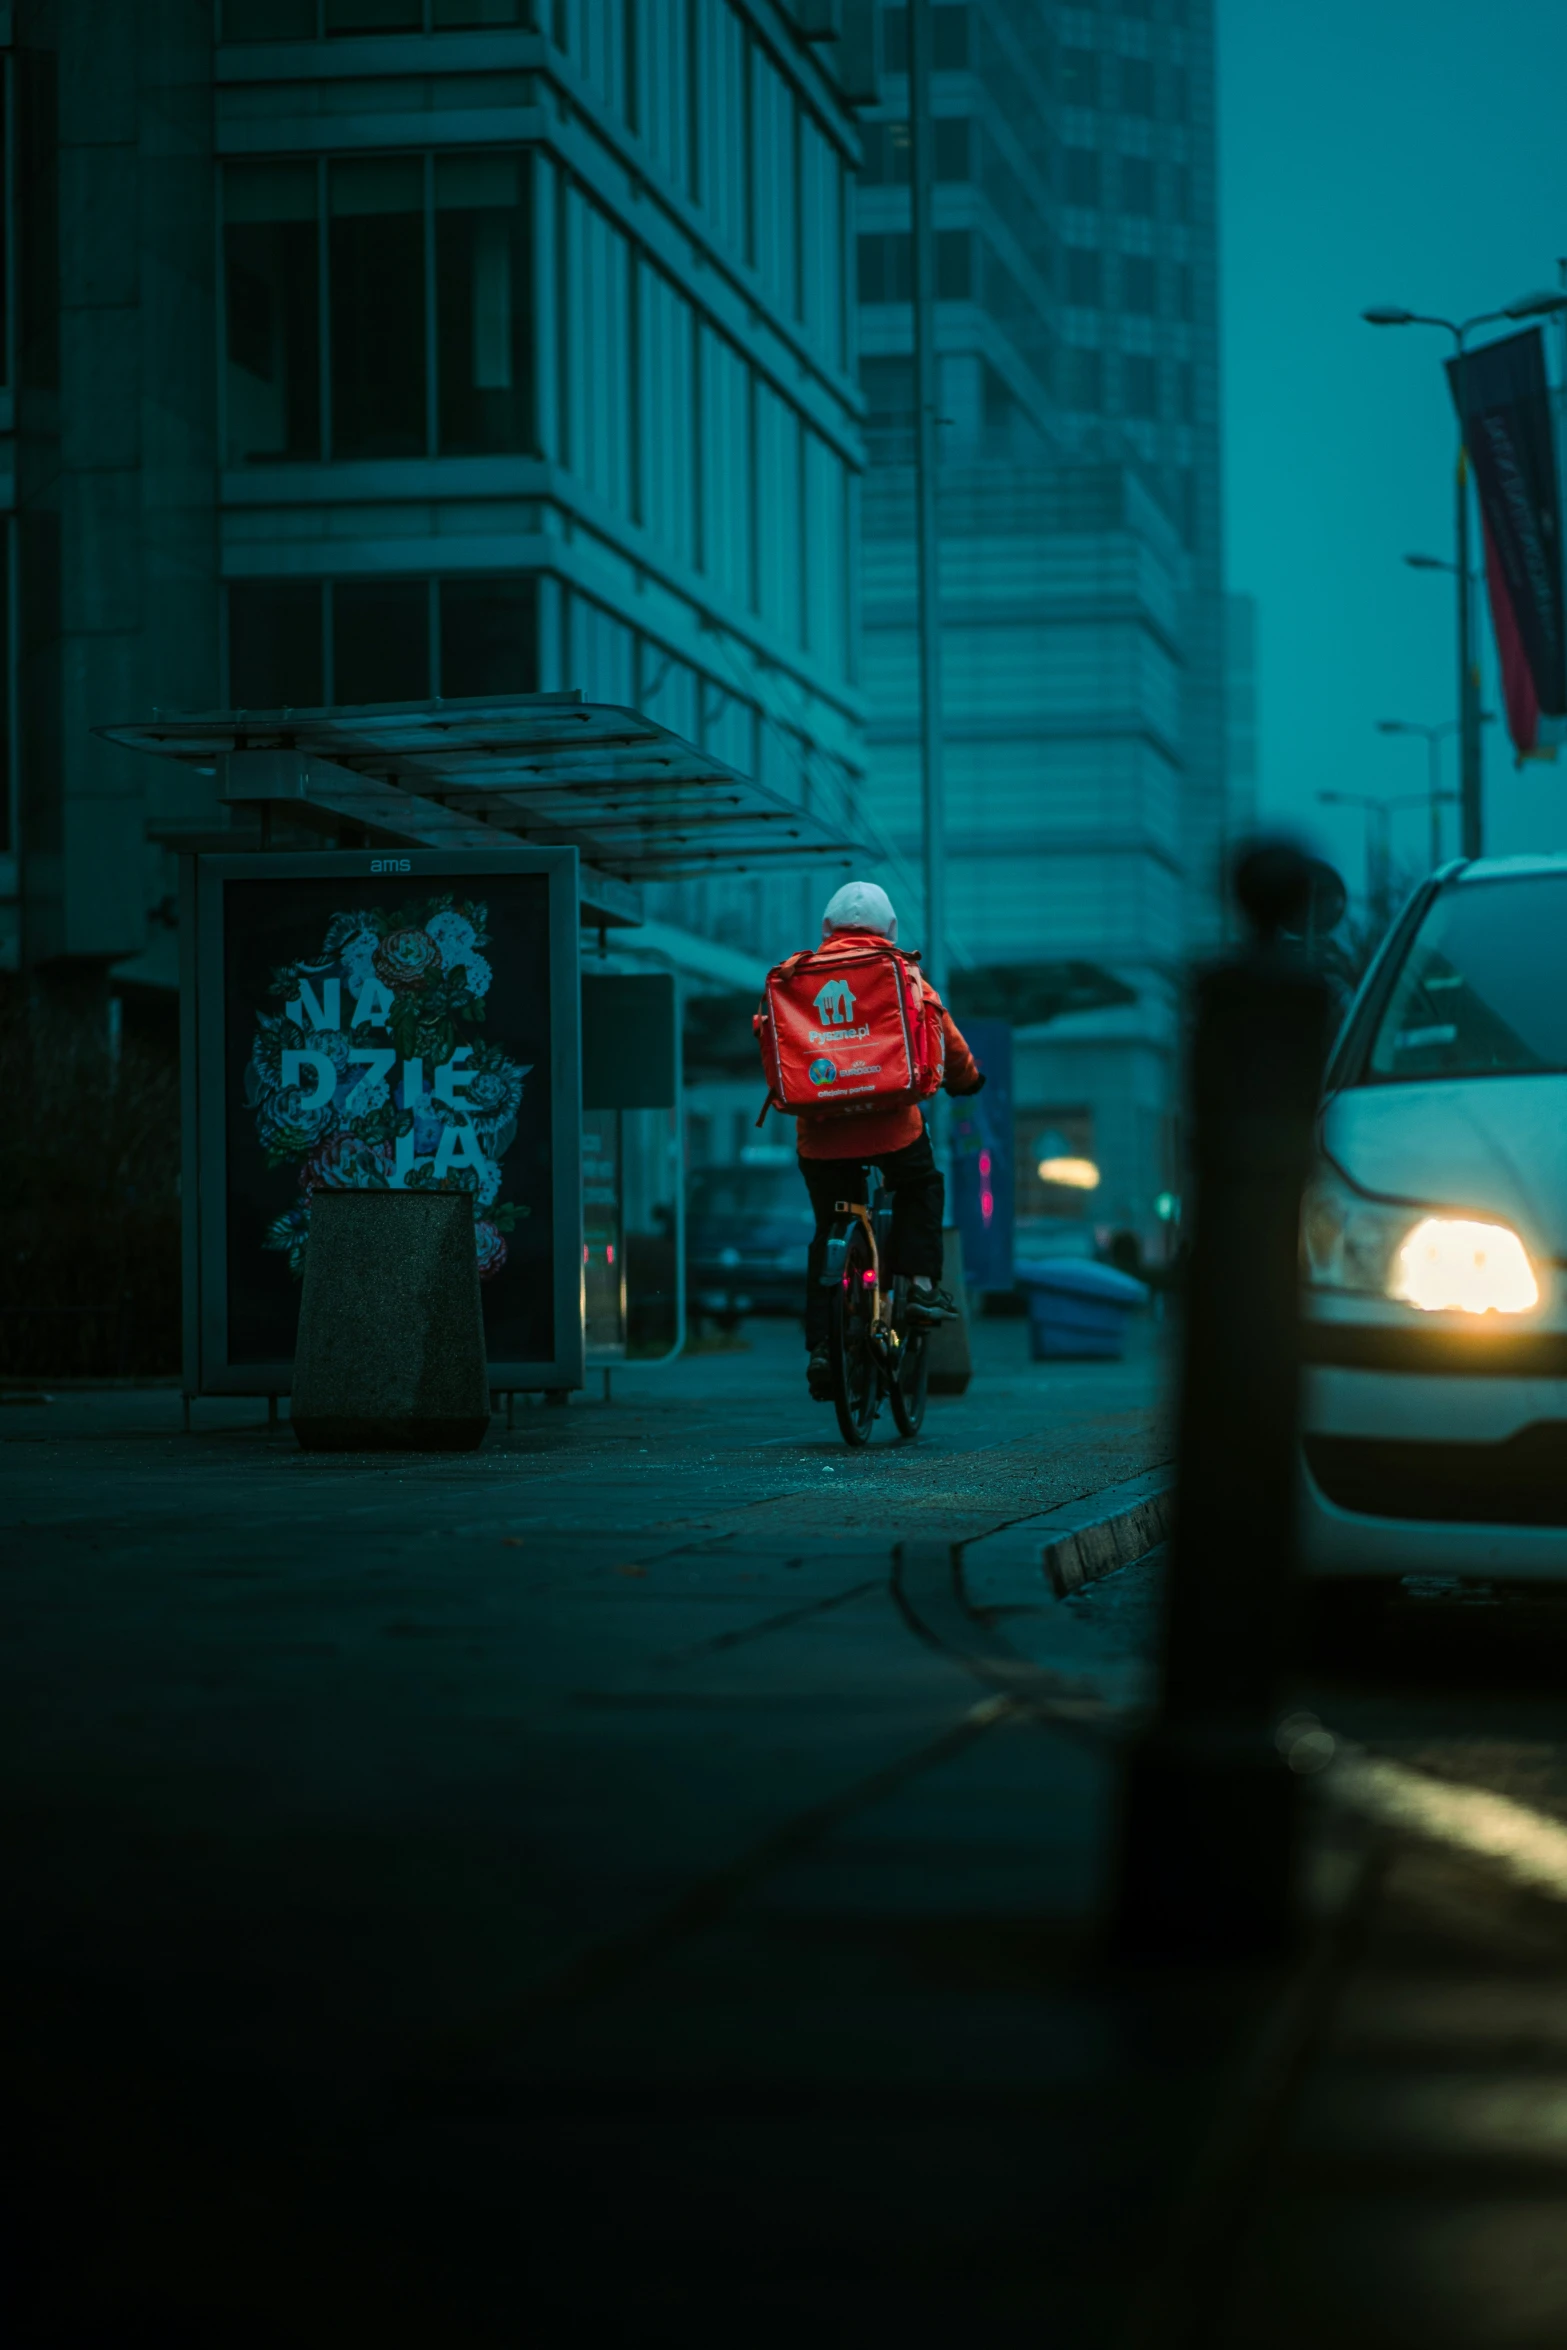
390, 1355
1077, 1309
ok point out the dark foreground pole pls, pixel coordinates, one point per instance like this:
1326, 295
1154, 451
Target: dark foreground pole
1208, 1804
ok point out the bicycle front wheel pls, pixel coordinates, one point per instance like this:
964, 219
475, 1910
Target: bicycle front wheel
856, 1376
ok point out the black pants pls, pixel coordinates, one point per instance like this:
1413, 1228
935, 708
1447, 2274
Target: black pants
919, 1198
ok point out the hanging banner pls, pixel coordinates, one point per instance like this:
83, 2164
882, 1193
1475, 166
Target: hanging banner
1504, 410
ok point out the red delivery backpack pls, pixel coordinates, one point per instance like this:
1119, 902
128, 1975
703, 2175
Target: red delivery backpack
849, 1032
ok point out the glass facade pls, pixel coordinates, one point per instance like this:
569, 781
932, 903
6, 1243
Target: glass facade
1082, 700
307, 20
376, 266
272, 306
513, 359
300, 643
484, 341
412, 243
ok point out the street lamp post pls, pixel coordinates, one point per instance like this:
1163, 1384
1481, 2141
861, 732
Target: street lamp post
1433, 741
1545, 305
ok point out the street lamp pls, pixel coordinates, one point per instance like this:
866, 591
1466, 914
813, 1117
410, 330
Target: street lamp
1537, 305
1436, 795
1379, 843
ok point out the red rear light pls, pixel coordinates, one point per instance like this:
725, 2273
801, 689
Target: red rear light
867, 1280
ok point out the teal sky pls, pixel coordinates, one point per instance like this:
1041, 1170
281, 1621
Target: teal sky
1400, 151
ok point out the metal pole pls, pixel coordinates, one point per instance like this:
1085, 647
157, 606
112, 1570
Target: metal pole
1471, 819
1379, 820
1434, 784
1207, 1803
922, 176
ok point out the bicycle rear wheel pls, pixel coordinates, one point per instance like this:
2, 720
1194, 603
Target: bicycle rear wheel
856, 1377
907, 1389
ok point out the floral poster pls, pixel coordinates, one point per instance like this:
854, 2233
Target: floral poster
383, 1038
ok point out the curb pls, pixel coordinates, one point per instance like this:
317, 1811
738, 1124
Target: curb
1070, 1546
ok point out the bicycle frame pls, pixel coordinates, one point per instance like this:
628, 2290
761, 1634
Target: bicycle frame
833, 1263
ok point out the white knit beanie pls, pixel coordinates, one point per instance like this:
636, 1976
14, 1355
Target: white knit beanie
861, 905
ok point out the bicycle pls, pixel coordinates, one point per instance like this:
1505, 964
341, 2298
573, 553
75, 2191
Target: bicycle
875, 1347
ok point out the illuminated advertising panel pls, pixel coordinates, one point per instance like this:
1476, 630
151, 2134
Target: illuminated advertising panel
381, 1021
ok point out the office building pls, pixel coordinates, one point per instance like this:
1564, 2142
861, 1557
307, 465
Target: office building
367, 350
1082, 614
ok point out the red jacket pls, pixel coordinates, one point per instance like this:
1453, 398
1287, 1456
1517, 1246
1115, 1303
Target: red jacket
868, 1135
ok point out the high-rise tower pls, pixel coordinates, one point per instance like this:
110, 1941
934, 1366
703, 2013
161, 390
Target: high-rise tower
1083, 619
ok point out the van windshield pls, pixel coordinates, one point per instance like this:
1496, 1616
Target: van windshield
1483, 989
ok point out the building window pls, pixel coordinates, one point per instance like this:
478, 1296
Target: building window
1139, 283
453, 16
1082, 176
483, 303
380, 631
888, 385
271, 253
374, 16
954, 265
404, 238
305, 20
953, 148
1137, 189
8, 650
885, 147
1137, 92
1080, 77
1082, 379
1139, 385
1061, 1139
1084, 278
886, 270
376, 264
885, 150
8, 168
292, 643
269, 20
949, 38
276, 643
1183, 291
489, 636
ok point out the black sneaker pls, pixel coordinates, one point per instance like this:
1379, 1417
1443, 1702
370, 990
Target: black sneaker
931, 1305
818, 1376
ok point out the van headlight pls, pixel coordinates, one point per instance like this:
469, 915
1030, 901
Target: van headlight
1441, 1264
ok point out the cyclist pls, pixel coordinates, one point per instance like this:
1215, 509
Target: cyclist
836, 1154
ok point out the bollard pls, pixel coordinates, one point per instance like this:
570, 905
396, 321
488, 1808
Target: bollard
1207, 1822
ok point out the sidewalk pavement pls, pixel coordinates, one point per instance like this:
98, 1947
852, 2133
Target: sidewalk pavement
583, 1892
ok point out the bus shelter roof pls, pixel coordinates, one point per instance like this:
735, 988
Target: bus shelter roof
639, 802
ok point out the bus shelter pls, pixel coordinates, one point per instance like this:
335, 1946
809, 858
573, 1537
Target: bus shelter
381, 988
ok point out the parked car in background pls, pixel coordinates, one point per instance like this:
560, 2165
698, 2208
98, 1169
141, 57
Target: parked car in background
1435, 1244
747, 1231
